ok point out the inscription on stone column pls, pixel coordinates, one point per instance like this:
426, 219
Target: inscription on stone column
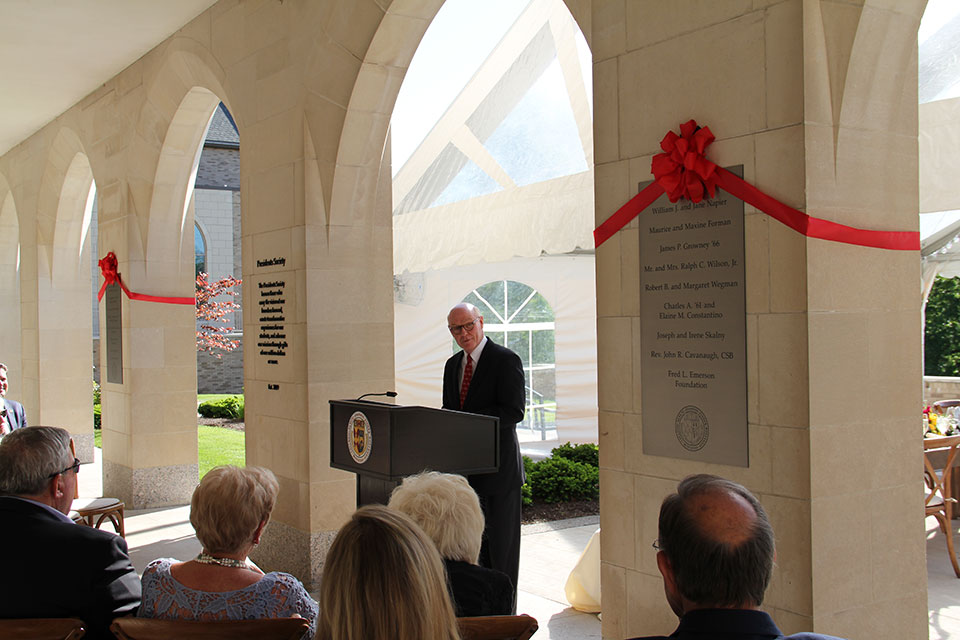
693, 330
272, 339
113, 319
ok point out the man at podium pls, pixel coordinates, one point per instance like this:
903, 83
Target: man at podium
487, 378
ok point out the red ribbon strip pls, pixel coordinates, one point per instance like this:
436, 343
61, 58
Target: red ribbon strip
682, 171
108, 269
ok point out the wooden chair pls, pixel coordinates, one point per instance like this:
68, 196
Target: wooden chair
498, 627
262, 629
939, 501
940, 405
43, 628
93, 512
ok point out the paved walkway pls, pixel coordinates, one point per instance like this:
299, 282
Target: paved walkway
547, 554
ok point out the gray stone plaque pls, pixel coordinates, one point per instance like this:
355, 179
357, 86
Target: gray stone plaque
693, 330
113, 319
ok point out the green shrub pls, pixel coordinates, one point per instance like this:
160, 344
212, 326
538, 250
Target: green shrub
528, 464
96, 416
526, 494
231, 408
96, 393
559, 479
586, 453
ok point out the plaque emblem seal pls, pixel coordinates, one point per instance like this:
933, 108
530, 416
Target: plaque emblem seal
359, 437
692, 428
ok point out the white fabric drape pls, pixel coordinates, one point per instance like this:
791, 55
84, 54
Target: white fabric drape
423, 342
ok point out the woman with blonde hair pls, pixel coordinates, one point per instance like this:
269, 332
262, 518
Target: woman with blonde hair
447, 508
383, 579
229, 510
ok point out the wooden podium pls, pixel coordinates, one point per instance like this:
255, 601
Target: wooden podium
384, 443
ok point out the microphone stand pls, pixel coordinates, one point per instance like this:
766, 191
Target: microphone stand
389, 394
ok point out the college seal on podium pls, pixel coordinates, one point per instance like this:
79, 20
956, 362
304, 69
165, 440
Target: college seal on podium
692, 428
359, 437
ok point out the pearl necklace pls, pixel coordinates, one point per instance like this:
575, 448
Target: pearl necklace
204, 558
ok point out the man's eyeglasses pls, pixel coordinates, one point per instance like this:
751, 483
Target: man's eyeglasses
457, 329
75, 466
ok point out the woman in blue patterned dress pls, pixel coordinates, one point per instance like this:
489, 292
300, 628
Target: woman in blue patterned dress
229, 510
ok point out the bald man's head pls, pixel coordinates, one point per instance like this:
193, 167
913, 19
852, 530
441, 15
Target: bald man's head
717, 543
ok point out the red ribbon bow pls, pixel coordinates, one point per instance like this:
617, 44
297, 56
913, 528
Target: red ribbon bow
108, 269
682, 170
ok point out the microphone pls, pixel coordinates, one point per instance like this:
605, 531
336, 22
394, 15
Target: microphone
389, 394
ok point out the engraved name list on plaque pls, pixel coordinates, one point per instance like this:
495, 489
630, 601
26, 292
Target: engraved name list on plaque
271, 294
693, 329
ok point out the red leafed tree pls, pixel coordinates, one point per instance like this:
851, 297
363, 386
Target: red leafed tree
212, 330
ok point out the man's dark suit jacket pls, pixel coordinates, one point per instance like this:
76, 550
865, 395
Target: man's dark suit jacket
478, 591
731, 624
496, 389
56, 569
16, 418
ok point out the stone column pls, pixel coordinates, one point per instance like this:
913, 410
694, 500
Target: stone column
149, 420
311, 178
334, 314
868, 551
833, 348
10, 334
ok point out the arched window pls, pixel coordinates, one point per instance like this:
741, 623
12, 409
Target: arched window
199, 249
517, 316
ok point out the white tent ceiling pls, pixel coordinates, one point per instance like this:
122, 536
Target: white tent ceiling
939, 80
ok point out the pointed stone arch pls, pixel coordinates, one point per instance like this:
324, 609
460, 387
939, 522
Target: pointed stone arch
64, 188
149, 419
166, 145
169, 246
64, 318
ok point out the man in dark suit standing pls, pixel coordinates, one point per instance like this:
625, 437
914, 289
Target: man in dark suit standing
490, 382
11, 412
54, 568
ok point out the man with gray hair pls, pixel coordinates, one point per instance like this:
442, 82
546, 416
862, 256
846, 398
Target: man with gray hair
715, 552
54, 568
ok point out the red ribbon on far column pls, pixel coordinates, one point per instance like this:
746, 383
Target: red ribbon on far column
108, 269
682, 171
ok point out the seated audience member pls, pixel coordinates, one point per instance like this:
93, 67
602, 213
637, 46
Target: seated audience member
383, 578
51, 567
716, 556
447, 508
229, 510
12, 416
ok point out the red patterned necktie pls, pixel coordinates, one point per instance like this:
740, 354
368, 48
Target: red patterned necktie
467, 374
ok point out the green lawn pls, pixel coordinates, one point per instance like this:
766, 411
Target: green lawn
219, 446
213, 397
216, 446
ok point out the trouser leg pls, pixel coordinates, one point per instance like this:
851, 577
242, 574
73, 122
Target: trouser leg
501, 537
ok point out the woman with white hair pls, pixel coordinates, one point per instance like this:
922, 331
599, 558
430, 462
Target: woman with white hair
229, 510
447, 508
